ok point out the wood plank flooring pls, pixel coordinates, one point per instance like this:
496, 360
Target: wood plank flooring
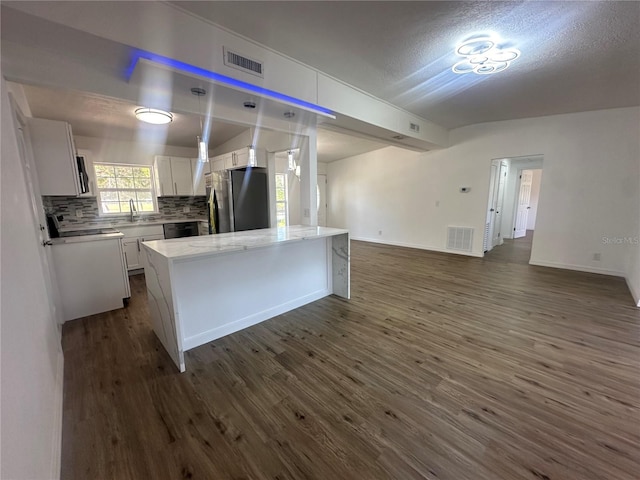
439, 367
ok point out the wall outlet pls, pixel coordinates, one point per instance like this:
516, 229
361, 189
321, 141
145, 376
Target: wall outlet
437, 203
379, 232
596, 257
78, 213
307, 214
186, 209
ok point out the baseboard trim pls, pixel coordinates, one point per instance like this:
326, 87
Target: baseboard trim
578, 268
419, 247
242, 323
56, 441
635, 291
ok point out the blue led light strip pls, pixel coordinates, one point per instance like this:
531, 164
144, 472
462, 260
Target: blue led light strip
185, 67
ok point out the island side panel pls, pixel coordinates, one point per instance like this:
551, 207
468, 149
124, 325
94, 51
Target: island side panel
341, 265
224, 293
157, 272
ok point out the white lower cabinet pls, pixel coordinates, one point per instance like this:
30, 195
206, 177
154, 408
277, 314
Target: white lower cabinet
91, 276
133, 237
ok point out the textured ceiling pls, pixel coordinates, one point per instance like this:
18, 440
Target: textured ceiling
93, 115
576, 56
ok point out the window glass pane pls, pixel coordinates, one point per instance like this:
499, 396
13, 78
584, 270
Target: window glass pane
145, 206
109, 196
125, 182
142, 182
124, 207
143, 172
124, 171
104, 170
106, 182
144, 196
126, 196
110, 207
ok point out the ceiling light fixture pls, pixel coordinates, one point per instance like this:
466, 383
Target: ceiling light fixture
253, 161
483, 56
153, 115
290, 160
203, 148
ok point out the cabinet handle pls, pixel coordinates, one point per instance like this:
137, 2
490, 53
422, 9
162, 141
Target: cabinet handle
138, 242
175, 185
126, 260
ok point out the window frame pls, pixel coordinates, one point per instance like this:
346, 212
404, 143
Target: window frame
151, 190
285, 202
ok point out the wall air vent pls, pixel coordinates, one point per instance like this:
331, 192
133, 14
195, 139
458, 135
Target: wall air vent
414, 127
245, 64
399, 137
460, 239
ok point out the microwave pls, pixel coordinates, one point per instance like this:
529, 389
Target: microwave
83, 175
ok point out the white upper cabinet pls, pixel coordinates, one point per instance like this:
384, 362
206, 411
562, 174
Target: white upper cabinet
240, 158
179, 176
54, 153
218, 163
182, 177
164, 179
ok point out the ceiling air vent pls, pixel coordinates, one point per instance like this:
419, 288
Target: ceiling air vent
414, 127
399, 137
245, 64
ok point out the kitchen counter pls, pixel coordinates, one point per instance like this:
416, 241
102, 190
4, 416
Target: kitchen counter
193, 247
86, 238
203, 288
138, 223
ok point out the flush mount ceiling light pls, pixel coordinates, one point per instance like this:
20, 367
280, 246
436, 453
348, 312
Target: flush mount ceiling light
153, 115
483, 55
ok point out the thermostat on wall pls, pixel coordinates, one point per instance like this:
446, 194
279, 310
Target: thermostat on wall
465, 189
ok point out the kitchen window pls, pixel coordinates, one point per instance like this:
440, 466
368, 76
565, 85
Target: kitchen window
119, 183
282, 198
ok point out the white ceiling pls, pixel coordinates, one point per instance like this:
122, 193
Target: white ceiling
576, 56
92, 115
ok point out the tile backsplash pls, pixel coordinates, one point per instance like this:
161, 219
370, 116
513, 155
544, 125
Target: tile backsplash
169, 208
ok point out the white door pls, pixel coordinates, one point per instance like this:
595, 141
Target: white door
322, 200
499, 201
522, 209
39, 217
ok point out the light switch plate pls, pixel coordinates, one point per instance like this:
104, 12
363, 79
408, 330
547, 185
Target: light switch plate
78, 213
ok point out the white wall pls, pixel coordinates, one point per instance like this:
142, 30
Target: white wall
535, 196
119, 151
591, 163
31, 356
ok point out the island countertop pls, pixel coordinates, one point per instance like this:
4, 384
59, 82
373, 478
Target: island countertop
191, 247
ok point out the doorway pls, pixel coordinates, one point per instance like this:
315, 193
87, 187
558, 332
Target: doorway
512, 211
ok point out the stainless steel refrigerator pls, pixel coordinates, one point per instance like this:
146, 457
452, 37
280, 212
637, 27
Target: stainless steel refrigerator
237, 200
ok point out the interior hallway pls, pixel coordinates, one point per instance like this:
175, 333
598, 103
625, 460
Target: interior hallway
513, 250
440, 367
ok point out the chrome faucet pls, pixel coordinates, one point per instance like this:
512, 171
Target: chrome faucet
132, 208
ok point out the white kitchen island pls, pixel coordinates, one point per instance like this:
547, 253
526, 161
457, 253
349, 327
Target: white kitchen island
203, 288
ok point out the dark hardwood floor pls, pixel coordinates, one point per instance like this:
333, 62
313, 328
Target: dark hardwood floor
516, 250
439, 367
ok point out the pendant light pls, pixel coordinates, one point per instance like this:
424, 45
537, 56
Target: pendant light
203, 148
291, 161
252, 151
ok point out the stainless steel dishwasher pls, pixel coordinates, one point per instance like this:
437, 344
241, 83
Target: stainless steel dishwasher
179, 230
